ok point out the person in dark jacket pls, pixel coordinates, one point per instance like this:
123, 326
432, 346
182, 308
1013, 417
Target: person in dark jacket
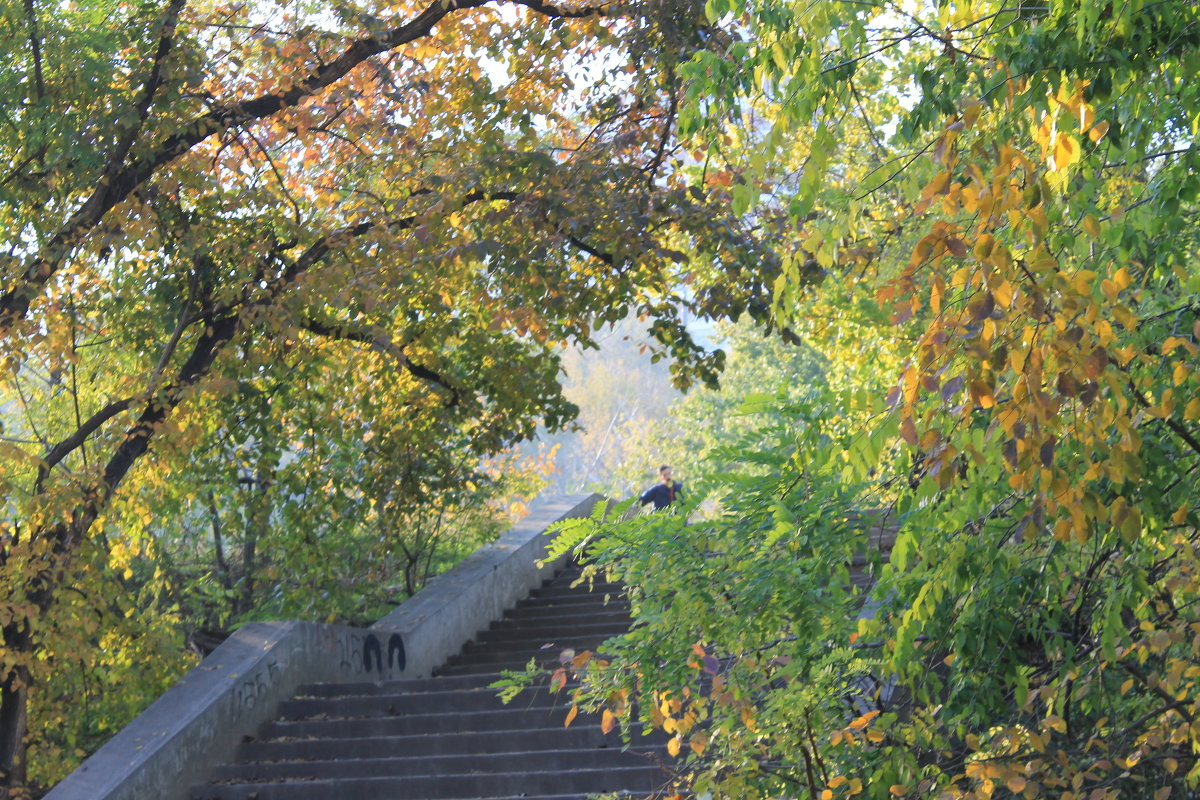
665, 492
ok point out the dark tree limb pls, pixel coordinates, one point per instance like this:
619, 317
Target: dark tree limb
380, 341
35, 49
150, 87
66, 446
660, 153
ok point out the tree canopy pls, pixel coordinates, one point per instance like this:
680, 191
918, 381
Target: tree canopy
248, 237
986, 215
355, 236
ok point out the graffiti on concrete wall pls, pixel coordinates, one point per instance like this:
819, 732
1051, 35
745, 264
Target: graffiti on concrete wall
354, 654
251, 690
368, 654
372, 649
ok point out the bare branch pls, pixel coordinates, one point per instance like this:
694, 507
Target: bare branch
169, 350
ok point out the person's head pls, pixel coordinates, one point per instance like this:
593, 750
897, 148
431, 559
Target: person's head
664, 473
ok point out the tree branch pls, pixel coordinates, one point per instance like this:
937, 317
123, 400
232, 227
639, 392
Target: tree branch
77, 439
668, 126
35, 47
380, 341
1180, 431
150, 87
553, 10
579, 244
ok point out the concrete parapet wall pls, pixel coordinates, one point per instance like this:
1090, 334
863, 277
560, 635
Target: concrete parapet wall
199, 722
440, 618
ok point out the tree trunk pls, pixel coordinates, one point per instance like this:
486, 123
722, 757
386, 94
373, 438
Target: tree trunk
14, 708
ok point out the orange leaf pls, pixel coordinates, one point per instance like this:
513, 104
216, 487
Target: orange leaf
571, 716
863, 721
608, 721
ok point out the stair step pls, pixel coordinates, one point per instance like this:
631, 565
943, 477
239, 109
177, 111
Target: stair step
524, 650
445, 787
434, 724
551, 737
492, 668
558, 623
450, 737
550, 633
574, 600
415, 703
537, 625
477, 681
424, 766
556, 590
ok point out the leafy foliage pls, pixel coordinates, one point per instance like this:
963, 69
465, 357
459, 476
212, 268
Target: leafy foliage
252, 246
999, 267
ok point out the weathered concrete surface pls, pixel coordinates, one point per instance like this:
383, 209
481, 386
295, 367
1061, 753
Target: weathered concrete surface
200, 721
457, 604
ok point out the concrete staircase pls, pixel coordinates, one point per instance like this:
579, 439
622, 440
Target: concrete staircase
449, 737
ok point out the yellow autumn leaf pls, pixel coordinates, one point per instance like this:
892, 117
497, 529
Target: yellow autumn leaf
748, 718
608, 721
673, 745
1081, 281
863, 721
1066, 151
1003, 293
1098, 131
971, 114
983, 246
936, 185
1172, 342
897, 790
574, 712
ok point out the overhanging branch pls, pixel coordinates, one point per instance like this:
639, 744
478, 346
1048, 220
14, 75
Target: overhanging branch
380, 341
